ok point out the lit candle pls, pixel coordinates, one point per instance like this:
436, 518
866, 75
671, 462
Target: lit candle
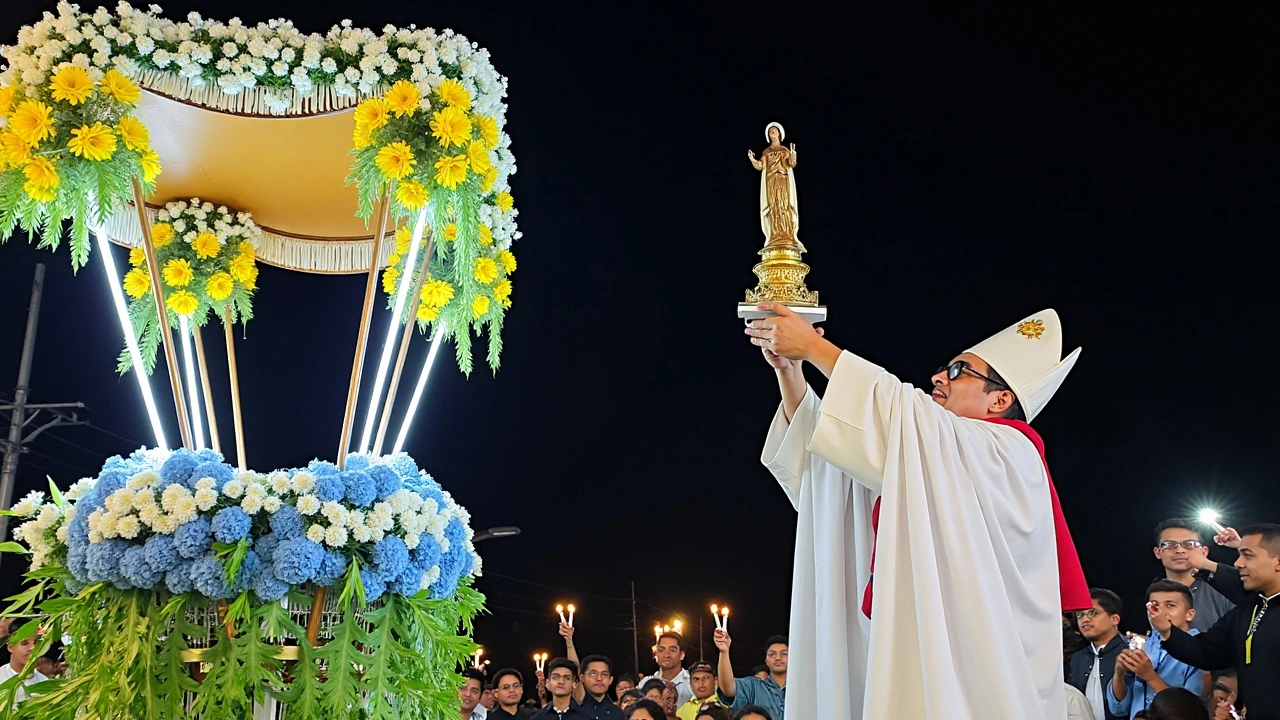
715, 615
476, 662
724, 622
657, 633
676, 625
560, 609
571, 609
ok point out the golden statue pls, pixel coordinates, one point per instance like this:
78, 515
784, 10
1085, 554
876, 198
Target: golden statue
780, 271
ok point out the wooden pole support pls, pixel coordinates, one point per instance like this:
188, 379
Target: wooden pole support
234, 372
208, 390
313, 620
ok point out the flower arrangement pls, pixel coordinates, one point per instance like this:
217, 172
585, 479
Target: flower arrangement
207, 263
69, 149
159, 534
435, 152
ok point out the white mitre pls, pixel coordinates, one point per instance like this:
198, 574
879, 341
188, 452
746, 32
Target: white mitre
1028, 355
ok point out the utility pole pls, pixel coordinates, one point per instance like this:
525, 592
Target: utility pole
635, 629
16, 443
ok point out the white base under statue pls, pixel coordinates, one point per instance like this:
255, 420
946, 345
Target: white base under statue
811, 313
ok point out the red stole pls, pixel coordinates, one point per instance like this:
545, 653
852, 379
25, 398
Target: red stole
1071, 583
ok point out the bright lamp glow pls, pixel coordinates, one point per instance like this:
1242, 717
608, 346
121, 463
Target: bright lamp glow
1208, 517
135, 356
193, 393
417, 390
392, 327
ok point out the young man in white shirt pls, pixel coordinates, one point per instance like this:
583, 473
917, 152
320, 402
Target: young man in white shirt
19, 656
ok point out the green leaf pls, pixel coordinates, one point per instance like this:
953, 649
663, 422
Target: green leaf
13, 547
55, 493
238, 551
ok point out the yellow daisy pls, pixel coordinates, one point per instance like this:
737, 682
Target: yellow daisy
486, 270
137, 283
71, 84
393, 259
427, 314
452, 93
242, 269
7, 93
246, 248
134, 134
478, 156
486, 236
13, 151
436, 293
490, 178
206, 245
42, 179
411, 194
161, 234
479, 306
451, 171
488, 128
396, 160
137, 257
505, 201
508, 261
124, 90
177, 273
372, 114
403, 237
250, 280
150, 162
362, 136
389, 277
219, 286
92, 142
182, 302
502, 293
402, 99
33, 122
450, 126
450, 232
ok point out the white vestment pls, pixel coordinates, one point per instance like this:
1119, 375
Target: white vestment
967, 615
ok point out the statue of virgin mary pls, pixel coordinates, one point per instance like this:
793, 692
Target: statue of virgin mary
779, 217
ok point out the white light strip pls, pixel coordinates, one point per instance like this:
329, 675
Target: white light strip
417, 390
135, 356
393, 328
193, 393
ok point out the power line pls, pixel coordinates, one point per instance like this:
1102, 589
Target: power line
132, 442
95, 453
490, 573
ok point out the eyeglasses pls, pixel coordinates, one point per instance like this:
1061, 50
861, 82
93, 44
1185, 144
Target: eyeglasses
776, 653
597, 674
561, 678
511, 686
955, 369
1188, 544
1089, 614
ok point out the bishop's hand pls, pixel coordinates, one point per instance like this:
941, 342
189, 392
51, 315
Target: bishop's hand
787, 335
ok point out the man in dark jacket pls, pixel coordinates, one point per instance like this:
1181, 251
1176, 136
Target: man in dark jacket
1091, 668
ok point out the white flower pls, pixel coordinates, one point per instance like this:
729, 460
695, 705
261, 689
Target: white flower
233, 489
167, 524
335, 536
430, 576
150, 515
119, 501
205, 484
62, 534
144, 498
361, 533
127, 527
302, 482
144, 479
411, 540
271, 504
444, 544
28, 505
48, 516
316, 533
279, 483
251, 504
333, 512
206, 498
81, 486
308, 504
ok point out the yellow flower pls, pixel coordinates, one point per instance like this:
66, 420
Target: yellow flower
71, 84
502, 293
411, 194
389, 277
403, 237
428, 314
177, 273
451, 171
490, 178
134, 134
372, 114
486, 270
242, 269
452, 93
219, 286
115, 84
402, 98
7, 93
436, 293
488, 128
250, 280
206, 245
505, 201
137, 283
508, 261
161, 234
42, 179
450, 232
478, 157
33, 122
246, 248
479, 306
13, 151
182, 302
486, 236
150, 162
396, 160
393, 259
450, 126
137, 257
362, 136
92, 142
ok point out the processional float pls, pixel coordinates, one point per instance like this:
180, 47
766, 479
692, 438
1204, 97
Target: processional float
181, 584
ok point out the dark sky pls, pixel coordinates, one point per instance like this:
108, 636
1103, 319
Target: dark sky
961, 169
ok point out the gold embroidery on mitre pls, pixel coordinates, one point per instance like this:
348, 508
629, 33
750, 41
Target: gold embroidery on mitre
1032, 329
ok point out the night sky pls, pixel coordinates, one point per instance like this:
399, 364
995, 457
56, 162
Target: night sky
958, 170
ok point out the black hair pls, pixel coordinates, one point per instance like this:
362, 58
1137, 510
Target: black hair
762, 668
654, 709
497, 677
1109, 601
996, 382
672, 634
1177, 703
597, 659
1270, 533
652, 683
561, 662
474, 674
1217, 675
711, 712
776, 640
752, 710
627, 677
1181, 524
632, 693
1172, 586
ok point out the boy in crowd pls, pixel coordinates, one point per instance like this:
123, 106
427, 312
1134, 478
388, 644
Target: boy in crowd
1142, 673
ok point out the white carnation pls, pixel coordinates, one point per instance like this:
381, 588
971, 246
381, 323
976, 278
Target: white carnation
335, 536
127, 527
316, 533
251, 504
302, 482
271, 504
205, 484
28, 505
233, 489
308, 504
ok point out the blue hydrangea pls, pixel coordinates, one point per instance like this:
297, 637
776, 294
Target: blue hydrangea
268, 588
359, 488
135, 568
374, 585
208, 576
78, 528
286, 522
161, 553
108, 482
77, 557
296, 561
409, 582
404, 465
178, 580
451, 563
390, 557
265, 546
322, 467
444, 586
329, 487
221, 473
468, 562
115, 462
177, 469
103, 560
209, 455
357, 461
456, 533
385, 480
231, 525
248, 572
332, 569
427, 553
193, 539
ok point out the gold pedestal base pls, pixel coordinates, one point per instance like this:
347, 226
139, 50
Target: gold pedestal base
781, 275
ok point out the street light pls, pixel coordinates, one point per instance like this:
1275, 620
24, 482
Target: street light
496, 532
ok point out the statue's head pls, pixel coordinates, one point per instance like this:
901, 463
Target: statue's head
774, 133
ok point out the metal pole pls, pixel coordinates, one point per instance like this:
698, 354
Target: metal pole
635, 629
385, 420
14, 446
208, 389
700, 657
234, 372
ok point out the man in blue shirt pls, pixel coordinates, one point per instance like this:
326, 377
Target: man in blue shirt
1142, 673
770, 693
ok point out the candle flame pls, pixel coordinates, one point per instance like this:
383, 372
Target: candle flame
559, 608
725, 611
571, 608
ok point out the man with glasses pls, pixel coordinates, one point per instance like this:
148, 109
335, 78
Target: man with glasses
592, 693
974, 560
1093, 666
508, 690
739, 693
1181, 550
562, 680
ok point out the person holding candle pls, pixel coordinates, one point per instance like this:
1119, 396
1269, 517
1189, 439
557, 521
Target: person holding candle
1142, 672
592, 693
740, 693
562, 677
1181, 550
944, 495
